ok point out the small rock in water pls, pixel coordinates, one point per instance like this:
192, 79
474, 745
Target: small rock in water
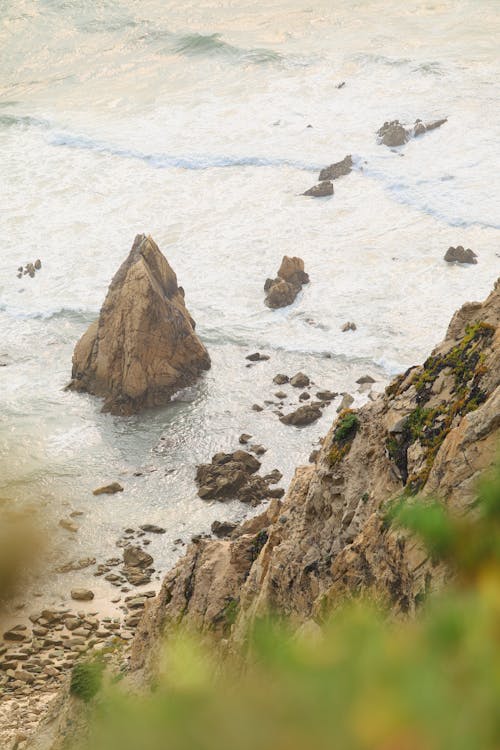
326, 395
283, 290
460, 255
38, 264
82, 595
349, 326
257, 357
152, 529
302, 416
259, 450
256, 407
281, 379
365, 379
321, 190
339, 169
300, 380
304, 396
244, 438
108, 489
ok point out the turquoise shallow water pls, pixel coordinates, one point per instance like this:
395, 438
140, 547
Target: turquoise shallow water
190, 122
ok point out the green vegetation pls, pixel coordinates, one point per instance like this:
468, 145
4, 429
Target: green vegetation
86, 679
430, 426
347, 426
367, 683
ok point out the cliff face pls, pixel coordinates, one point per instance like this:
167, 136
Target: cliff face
434, 431
143, 347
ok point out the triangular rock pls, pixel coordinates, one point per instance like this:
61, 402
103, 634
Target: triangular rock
143, 348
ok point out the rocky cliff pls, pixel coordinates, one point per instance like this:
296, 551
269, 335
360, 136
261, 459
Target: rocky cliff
433, 432
143, 347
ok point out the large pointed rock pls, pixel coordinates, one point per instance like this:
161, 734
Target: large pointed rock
143, 347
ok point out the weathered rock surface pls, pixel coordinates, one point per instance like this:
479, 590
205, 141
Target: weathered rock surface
434, 431
460, 255
321, 190
339, 169
108, 489
233, 476
395, 134
143, 348
283, 290
302, 416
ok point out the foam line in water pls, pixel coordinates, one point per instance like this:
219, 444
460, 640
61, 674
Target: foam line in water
168, 161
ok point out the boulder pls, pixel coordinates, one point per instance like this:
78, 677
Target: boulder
321, 190
339, 169
281, 379
349, 326
460, 255
300, 380
108, 489
82, 595
395, 134
143, 347
233, 476
136, 557
302, 416
283, 290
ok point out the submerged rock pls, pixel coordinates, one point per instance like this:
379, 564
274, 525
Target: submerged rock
349, 326
339, 169
395, 134
321, 190
283, 290
143, 348
460, 255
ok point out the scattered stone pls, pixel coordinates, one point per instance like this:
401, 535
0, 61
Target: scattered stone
280, 394
223, 528
302, 416
257, 357
150, 528
326, 395
259, 450
82, 595
340, 85
244, 438
143, 348
136, 557
322, 190
108, 489
281, 379
14, 635
339, 169
460, 255
283, 290
84, 562
365, 379
349, 326
304, 396
256, 407
300, 380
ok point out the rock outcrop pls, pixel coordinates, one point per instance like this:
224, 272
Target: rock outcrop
143, 348
283, 290
232, 476
321, 190
434, 431
339, 169
460, 255
395, 134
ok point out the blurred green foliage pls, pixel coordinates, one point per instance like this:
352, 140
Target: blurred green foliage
362, 682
